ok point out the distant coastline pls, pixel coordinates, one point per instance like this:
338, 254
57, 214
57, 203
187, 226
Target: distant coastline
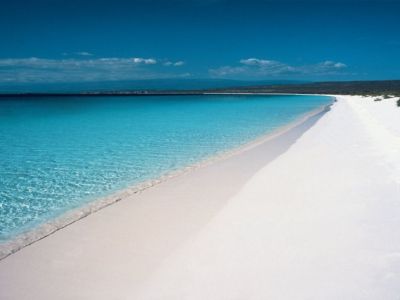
382, 87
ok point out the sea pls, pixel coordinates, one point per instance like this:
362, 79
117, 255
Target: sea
61, 153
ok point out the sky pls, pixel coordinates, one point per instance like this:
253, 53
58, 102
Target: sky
77, 41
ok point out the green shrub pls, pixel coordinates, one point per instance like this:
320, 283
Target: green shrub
398, 103
377, 99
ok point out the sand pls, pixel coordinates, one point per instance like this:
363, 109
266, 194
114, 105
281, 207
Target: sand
311, 214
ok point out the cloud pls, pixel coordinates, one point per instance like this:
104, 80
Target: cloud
179, 63
258, 62
261, 68
35, 69
175, 64
71, 63
332, 64
79, 53
84, 53
146, 61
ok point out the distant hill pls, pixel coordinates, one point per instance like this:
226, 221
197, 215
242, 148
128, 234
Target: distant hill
384, 87
200, 86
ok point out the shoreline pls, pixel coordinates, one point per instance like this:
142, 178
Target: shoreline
312, 213
69, 217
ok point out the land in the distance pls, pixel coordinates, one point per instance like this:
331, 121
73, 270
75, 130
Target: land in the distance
373, 88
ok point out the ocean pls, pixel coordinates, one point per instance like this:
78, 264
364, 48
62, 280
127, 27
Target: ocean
60, 153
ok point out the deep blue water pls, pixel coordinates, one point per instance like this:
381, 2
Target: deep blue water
60, 153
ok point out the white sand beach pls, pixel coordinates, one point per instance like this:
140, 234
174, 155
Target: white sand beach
311, 214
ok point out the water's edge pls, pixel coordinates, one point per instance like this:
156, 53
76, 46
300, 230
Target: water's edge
27, 238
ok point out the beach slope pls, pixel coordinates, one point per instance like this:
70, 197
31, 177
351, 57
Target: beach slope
320, 222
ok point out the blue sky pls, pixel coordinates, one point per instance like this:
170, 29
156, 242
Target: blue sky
75, 41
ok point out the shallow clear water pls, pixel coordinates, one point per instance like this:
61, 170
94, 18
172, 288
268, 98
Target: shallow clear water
59, 153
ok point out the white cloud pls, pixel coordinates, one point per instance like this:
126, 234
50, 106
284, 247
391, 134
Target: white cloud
175, 64
179, 63
78, 53
84, 53
258, 62
337, 65
78, 69
146, 61
72, 63
259, 68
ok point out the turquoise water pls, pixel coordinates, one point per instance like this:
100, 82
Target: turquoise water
60, 153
